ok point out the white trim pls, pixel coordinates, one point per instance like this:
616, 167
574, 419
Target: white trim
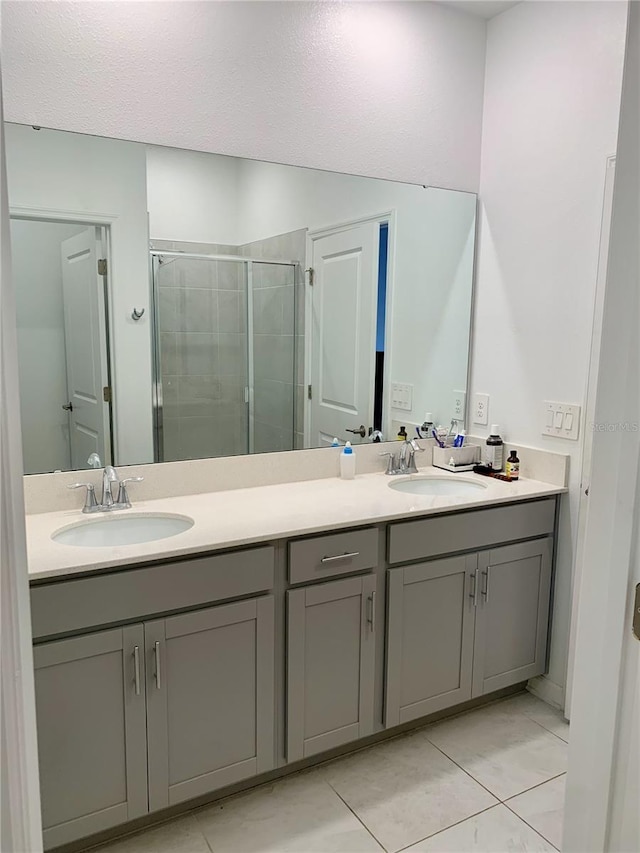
547, 690
589, 417
21, 827
388, 217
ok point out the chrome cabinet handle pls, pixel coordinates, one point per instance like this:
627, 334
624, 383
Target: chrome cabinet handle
474, 593
372, 613
136, 668
485, 591
345, 556
156, 650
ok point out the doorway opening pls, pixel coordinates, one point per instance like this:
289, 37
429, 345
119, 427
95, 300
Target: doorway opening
59, 271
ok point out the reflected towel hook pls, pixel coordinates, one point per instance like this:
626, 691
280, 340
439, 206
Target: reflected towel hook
136, 315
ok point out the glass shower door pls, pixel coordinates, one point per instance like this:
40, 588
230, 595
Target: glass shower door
272, 355
201, 363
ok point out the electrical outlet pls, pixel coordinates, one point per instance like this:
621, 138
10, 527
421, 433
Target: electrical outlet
459, 405
481, 409
402, 396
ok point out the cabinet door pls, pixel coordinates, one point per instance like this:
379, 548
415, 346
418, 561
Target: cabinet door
429, 637
512, 615
90, 703
330, 664
210, 699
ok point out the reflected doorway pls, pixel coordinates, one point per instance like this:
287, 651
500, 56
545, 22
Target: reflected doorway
59, 274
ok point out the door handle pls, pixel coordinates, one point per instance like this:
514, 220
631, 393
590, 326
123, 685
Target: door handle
361, 431
371, 600
474, 592
156, 651
485, 591
136, 668
68, 407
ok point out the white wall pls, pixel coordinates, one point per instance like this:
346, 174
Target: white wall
192, 196
100, 177
37, 280
552, 97
391, 89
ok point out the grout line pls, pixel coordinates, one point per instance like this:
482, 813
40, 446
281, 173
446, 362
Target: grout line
445, 828
460, 767
526, 822
357, 817
533, 787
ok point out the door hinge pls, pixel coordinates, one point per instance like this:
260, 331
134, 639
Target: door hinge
309, 392
310, 273
106, 393
102, 266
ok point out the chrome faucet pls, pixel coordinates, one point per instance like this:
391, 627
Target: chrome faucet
405, 461
109, 477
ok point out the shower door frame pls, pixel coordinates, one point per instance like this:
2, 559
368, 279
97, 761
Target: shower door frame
156, 377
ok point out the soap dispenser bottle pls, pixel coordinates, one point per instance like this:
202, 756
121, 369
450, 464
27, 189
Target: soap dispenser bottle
347, 462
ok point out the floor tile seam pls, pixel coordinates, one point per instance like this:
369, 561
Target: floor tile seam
465, 771
533, 787
447, 828
542, 726
357, 817
525, 821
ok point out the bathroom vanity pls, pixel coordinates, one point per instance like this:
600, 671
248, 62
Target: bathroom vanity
169, 671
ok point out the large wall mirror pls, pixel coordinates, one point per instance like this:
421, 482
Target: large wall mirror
178, 305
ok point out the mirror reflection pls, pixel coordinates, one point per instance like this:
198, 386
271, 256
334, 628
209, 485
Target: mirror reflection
177, 305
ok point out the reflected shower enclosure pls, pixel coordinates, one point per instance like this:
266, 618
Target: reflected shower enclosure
224, 355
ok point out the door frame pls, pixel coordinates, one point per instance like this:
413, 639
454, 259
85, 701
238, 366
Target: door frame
386, 217
105, 222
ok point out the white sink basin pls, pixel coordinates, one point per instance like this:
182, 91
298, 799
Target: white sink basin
107, 531
451, 485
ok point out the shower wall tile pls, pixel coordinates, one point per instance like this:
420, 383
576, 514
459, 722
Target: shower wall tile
273, 357
229, 303
194, 272
199, 396
230, 275
169, 354
171, 438
196, 353
273, 403
268, 311
232, 355
170, 399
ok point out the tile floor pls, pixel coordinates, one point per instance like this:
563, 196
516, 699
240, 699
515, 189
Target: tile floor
489, 780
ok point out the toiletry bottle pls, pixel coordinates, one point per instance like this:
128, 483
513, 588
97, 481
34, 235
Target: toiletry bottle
347, 462
427, 424
494, 450
402, 434
512, 468
335, 443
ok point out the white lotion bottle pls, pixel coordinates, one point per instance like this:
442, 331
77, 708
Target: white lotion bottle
347, 462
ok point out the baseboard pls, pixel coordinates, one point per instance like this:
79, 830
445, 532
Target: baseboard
547, 690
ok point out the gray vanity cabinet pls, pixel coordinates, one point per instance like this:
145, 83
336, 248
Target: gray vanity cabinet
210, 699
90, 703
512, 614
430, 627
330, 664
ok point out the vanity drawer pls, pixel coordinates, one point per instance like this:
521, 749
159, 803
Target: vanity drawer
468, 531
337, 554
102, 599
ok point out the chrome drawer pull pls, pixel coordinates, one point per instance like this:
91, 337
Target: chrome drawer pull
474, 593
485, 591
136, 668
344, 556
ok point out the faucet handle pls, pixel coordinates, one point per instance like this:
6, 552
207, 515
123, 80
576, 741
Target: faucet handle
123, 495
90, 503
94, 461
391, 464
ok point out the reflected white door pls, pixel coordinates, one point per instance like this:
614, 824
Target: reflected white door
86, 348
344, 300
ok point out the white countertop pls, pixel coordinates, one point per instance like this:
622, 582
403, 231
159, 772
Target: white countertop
263, 513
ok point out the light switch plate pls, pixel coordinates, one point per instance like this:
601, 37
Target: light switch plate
561, 420
459, 405
481, 409
402, 396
